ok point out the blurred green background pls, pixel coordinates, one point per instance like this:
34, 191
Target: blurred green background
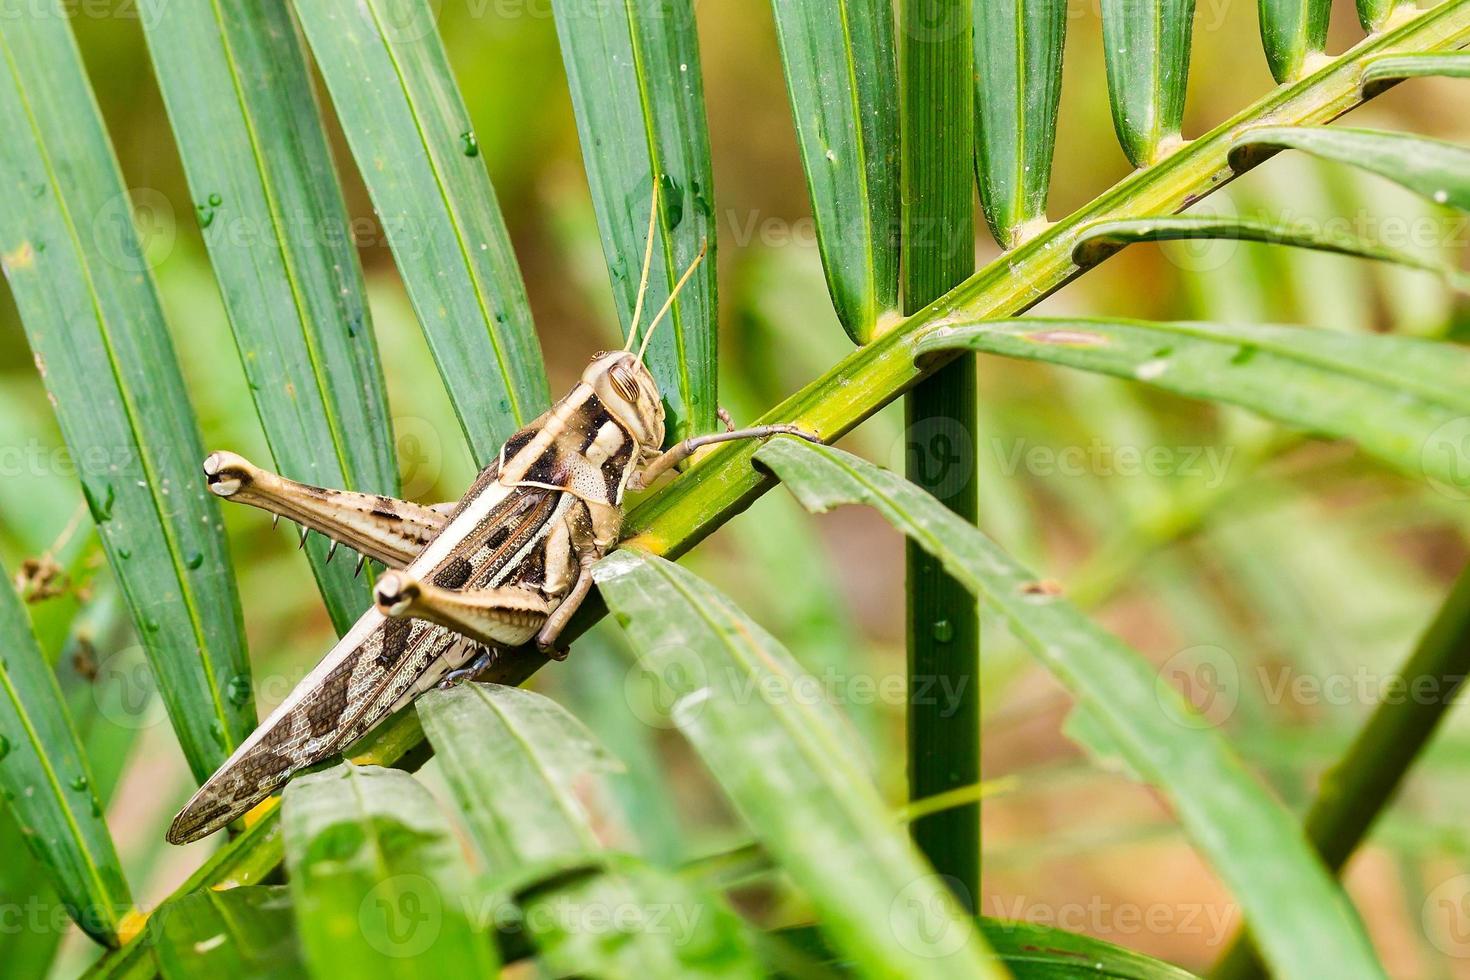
1277, 580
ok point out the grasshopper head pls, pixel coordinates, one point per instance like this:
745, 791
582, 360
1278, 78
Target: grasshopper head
625, 386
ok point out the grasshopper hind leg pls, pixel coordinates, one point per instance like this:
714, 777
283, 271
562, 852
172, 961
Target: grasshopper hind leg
384, 529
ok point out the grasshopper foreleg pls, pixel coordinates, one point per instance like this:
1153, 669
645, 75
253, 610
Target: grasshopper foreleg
557, 621
657, 466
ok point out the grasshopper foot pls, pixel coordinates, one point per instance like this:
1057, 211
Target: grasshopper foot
228, 473
469, 671
552, 651
395, 593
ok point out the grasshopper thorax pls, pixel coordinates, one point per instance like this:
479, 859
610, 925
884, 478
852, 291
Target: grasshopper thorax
626, 388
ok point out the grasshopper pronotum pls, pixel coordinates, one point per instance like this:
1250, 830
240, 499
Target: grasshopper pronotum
509, 563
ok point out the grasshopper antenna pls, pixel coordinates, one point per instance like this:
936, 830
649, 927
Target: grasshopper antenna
647, 265
669, 303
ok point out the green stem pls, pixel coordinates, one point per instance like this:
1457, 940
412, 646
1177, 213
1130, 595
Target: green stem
677, 518
936, 61
1359, 786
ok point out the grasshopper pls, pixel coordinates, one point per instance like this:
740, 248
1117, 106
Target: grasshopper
507, 564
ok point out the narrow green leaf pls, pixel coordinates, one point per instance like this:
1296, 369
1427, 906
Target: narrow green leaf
842, 79
787, 763
1402, 399
1096, 242
47, 785
1306, 926
514, 759
1294, 33
1438, 170
942, 624
1018, 79
1147, 43
80, 278
646, 792
103, 705
1035, 952
519, 766
237, 90
1392, 68
380, 885
28, 951
410, 133
1374, 14
242, 933
633, 67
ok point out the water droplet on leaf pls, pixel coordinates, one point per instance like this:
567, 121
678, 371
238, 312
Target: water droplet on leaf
238, 690
194, 559
78, 783
943, 631
673, 199
100, 503
471, 145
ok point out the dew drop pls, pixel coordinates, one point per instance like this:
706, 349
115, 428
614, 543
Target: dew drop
673, 197
124, 553
217, 732
100, 504
150, 624
215, 200
4, 746
700, 201
238, 690
471, 146
205, 213
78, 783
194, 559
943, 631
